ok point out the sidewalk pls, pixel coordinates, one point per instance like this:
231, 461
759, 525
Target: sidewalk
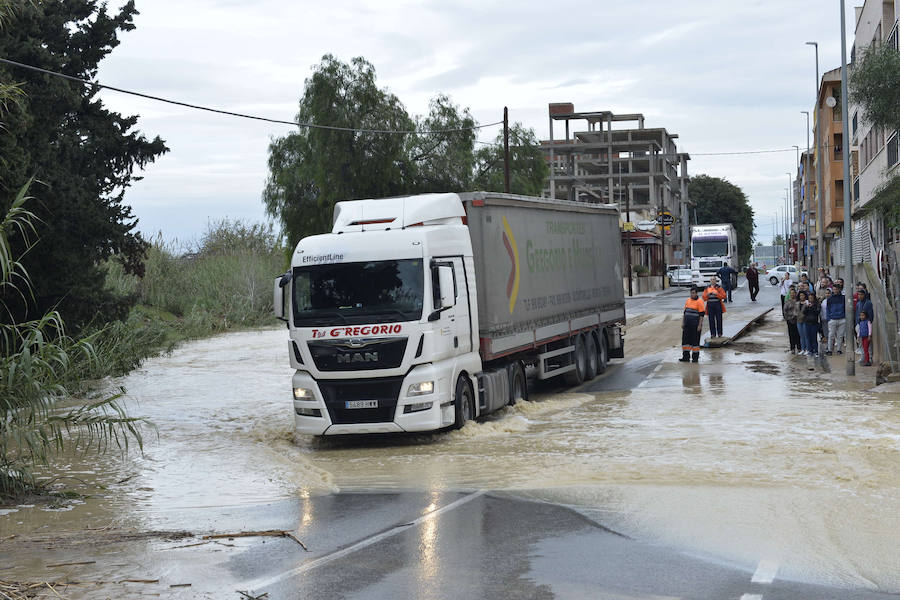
656, 293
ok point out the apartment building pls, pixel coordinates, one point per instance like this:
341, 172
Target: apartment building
829, 159
877, 152
610, 158
805, 206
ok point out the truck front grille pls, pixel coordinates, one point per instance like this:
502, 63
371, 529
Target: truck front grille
386, 390
358, 354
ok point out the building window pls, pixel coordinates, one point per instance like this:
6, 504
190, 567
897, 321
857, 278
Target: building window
838, 146
855, 124
893, 149
836, 111
856, 192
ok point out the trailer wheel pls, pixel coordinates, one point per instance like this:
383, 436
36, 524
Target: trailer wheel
773, 280
519, 385
603, 353
593, 356
579, 359
463, 403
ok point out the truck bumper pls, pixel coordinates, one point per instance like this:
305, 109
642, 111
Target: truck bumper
327, 411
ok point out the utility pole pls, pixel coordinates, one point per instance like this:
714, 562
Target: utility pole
806, 193
628, 234
847, 235
791, 213
506, 150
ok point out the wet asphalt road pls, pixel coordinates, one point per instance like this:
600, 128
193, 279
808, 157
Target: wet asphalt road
485, 545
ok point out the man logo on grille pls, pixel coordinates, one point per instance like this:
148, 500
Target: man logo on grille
356, 357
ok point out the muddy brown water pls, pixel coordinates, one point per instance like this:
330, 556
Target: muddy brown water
749, 455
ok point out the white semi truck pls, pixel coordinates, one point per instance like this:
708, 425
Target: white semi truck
713, 247
419, 313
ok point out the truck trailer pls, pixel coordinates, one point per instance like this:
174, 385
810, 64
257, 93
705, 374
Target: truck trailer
420, 313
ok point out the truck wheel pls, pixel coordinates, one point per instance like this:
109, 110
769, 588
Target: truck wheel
593, 358
579, 358
773, 280
603, 354
519, 385
463, 403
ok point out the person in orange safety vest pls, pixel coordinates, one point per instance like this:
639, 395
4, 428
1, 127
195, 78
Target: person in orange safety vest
714, 297
692, 327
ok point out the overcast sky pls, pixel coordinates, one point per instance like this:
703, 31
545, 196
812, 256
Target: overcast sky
725, 75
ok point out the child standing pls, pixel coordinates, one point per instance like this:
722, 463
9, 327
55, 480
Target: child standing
865, 336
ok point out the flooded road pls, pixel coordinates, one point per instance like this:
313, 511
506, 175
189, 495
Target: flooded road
752, 455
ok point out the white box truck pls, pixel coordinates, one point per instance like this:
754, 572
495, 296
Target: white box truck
713, 247
419, 313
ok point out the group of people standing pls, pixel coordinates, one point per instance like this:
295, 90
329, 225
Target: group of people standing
816, 316
712, 303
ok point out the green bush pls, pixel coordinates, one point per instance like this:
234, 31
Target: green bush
221, 283
640, 270
42, 410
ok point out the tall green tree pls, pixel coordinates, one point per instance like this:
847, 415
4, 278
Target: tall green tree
311, 169
441, 156
717, 200
875, 85
82, 156
528, 168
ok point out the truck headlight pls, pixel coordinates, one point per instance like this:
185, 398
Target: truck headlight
303, 394
421, 388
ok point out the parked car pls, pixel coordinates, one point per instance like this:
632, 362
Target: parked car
776, 274
681, 277
696, 278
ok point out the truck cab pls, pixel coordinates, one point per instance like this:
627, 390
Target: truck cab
379, 318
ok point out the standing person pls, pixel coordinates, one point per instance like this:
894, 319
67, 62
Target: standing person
864, 303
804, 278
728, 277
802, 299
810, 316
692, 327
791, 311
823, 317
860, 287
864, 329
714, 296
753, 281
837, 320
785, 286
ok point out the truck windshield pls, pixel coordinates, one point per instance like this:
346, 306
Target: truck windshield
383, 291
710, 246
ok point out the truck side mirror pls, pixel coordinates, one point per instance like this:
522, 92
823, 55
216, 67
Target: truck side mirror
445, 282
278, 296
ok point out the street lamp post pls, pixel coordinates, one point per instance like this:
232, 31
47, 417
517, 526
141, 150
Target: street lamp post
820, 212
847, 235
806, 191
791, 210
795, 220
785, 215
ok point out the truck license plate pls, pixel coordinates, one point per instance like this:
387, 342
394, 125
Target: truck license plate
361, 404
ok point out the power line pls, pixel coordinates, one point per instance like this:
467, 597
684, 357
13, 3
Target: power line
744, 152
237, 114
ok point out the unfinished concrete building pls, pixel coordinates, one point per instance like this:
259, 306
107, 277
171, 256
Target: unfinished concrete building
604, 157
